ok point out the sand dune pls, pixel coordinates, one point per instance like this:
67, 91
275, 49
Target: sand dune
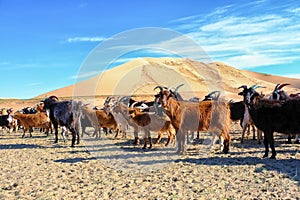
140, 76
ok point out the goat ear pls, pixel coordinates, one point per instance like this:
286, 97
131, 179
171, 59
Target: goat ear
256, 94
241, 93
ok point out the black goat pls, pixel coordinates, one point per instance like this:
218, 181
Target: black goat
131, 103
28, 110
279, 94
272, 115
6, 121
64, 113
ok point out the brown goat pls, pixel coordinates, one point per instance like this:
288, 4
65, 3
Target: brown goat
211, 116
121, 109
37, 120
100, 119
152, 122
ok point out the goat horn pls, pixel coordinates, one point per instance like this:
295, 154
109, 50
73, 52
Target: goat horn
213, 92
276, 87
53, 97
257, 86
282, 85
175, 91
159, 87
123, 98
107, 100
85, 105
243, 86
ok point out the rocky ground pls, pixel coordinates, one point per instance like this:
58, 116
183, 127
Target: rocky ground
107, 168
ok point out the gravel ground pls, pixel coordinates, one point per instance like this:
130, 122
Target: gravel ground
107, 168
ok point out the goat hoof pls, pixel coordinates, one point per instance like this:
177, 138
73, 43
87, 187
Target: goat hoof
225, 151
297, 142
144, 147
273, 157
265, 156
150, 147
72, 145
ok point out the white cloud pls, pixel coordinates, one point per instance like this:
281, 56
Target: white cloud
86, 39
254, 60
295, 11
249, 39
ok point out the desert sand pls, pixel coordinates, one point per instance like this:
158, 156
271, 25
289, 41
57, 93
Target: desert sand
140, 76
108, 168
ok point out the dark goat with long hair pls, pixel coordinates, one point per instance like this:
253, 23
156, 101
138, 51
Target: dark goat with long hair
64, 113
272, 116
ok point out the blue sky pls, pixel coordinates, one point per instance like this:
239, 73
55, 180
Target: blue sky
44, 43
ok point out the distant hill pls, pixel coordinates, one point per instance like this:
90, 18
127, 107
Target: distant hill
140, 76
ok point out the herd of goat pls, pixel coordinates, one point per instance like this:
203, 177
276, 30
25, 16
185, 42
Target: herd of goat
167, 113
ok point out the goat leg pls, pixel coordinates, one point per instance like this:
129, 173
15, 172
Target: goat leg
124, 133
73, 132
289, 139
170, 137
159, 134
23, 133
259, 136
117, 133
266, 147
243, 133
150, 142
78, 137
56, 132
198, 135
271, 141
145, 143
136, 141
226, 143
253, 130
183, 143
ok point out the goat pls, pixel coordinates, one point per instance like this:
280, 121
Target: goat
203, 116
131, 103
120, 119
28, 110
213, 96
279, 94
152, 122
144, 121
239, 111
119, 108
6, 121
38, 120
40, 108
64, 113
272, 115
100, 119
